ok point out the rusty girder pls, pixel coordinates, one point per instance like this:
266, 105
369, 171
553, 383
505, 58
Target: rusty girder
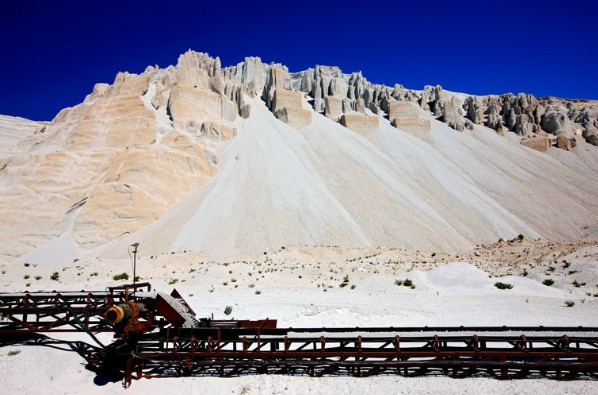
226, 352
160, 336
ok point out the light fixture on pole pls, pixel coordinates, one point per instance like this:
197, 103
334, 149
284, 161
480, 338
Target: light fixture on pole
134, 245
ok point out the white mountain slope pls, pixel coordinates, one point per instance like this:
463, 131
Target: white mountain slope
240, 160
328, 185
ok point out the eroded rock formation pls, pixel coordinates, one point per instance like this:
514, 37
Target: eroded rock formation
134, 148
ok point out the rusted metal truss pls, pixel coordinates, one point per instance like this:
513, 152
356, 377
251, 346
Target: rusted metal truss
61, 311
159, 336
206, 351
54, 312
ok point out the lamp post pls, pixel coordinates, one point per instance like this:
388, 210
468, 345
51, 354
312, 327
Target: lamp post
134, 245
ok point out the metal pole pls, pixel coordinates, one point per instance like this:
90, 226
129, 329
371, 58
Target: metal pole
134, 245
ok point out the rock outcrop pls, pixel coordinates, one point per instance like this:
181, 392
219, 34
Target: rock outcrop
538, 143
359, 122
295, 117
121, 159
528, 117
407, 117
415, 126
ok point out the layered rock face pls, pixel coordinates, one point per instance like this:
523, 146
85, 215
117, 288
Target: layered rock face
406, 116
557, 119
120, 159
13, 130
137, 147
337, 95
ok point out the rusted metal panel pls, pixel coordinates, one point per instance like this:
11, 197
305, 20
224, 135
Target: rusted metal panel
175, 294
167, 311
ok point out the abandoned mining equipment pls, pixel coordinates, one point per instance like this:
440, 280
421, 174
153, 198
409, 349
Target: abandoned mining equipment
159, 335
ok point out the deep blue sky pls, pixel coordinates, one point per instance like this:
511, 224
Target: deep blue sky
52, 52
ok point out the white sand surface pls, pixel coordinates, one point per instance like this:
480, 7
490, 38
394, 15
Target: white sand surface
300, 288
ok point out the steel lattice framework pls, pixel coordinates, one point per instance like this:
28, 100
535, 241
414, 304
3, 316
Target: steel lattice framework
159, 336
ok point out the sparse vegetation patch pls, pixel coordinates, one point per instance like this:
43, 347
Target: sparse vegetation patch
500, 285
122, 276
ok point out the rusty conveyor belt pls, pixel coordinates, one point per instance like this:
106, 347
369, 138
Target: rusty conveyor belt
164, 339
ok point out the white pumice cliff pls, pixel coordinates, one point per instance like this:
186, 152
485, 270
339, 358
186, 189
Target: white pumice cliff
235, 161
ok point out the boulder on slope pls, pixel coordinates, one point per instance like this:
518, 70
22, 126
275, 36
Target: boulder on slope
402, 109
539, 143
415, 126
360, 123
296, 118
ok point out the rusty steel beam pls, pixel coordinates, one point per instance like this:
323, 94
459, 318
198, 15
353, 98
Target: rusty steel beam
152, 343
208, 351
53, 312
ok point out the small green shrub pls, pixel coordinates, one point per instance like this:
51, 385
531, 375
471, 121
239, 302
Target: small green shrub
525, 273
25, 277
55, 276
569, 303
12, 353
353, 286
343, 285
398, 283
548, 282
578, 284
408, 283
566, 264
228, 310
500, 285
122, 276
520, 237
173, 281
258, 292
37, 277
94, 274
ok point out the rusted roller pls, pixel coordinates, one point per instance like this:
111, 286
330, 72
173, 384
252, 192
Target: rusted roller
124, 312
